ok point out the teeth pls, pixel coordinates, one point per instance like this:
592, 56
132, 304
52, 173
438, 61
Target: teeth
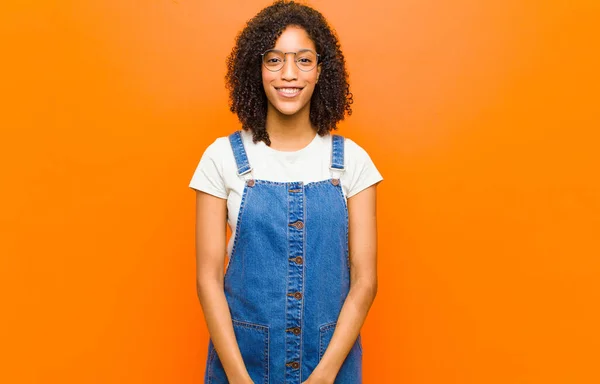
289, 90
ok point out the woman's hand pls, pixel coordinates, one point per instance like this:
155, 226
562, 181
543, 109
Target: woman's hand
312, 380
243, 380
316, 377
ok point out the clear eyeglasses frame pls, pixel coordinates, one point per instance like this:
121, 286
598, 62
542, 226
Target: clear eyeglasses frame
305, 59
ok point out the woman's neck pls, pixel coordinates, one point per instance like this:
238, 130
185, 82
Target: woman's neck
289, 133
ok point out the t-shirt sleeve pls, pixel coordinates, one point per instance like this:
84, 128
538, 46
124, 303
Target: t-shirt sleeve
208, 176
363, 170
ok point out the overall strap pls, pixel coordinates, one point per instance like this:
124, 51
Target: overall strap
337, 154
239, 152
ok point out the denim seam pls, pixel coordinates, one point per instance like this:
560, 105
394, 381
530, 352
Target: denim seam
266, 331
267, 358
248, 324
285, 183
323, 328
237, 228
304, 217
337, 150
341, 194
287, 275
211, 357
359, 343
239, 151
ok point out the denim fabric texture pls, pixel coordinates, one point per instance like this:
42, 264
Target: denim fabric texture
288, 276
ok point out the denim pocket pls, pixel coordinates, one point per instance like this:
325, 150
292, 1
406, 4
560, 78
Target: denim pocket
351, 370
253, 341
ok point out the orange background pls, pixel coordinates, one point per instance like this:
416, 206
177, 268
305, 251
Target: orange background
481, 115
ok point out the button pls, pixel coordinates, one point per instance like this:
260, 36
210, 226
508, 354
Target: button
293, 364
296, 295
298, 259
295, 330
250, 183
335, 181
297, 224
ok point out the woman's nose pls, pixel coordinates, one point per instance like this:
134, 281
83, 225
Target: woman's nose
289, 70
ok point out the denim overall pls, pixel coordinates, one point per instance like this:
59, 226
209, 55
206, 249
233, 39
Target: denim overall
288, 276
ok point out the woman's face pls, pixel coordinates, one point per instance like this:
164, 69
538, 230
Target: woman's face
289, 90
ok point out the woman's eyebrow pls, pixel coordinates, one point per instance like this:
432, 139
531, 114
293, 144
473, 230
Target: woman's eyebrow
301, 49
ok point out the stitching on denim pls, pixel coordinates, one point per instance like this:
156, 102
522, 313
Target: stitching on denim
239, 151
211, 357
333, 152
322, 329
327, 326
267, 362
245, 194
287, 275
247, 324
265, 330
320, 345
341, 194
304, 218
285, 183
318, 183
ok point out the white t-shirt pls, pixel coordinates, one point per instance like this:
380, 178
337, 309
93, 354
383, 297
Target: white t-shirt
216, 173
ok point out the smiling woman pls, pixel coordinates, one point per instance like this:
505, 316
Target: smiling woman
301, 204
294, 27
288, 88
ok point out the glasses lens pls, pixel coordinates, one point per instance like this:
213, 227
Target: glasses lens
306, 60
273, 60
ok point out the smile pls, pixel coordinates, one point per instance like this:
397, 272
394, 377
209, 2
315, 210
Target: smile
288, 92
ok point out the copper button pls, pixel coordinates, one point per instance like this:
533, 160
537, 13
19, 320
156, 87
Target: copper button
298, 224
251, 183
294, 365
298, 295
335, 181
298, 260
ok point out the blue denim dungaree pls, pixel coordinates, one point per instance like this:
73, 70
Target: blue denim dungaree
288, 276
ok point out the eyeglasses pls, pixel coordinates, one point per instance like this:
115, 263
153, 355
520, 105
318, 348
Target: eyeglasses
305, 59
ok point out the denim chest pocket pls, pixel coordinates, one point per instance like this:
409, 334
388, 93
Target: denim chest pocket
351, 370
253, 341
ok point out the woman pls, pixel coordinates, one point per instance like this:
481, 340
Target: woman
301, 274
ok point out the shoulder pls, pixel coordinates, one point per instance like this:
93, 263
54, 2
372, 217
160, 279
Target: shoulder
209, 175
354, 152
360, 170
219, 151
352, 146
219, 147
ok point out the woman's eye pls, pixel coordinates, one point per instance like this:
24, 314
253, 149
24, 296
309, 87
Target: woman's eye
304, 60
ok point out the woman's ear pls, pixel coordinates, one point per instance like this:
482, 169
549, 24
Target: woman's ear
318, 73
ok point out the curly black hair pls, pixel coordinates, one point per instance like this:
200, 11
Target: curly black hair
331, 98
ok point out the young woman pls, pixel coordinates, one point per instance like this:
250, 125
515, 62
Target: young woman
300, 202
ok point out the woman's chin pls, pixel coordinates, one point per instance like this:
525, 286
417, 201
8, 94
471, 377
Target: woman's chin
287, 109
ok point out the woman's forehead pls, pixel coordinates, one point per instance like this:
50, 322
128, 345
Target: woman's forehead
293, 39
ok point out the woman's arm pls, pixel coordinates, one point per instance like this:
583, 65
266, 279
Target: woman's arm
362, 226
211, 237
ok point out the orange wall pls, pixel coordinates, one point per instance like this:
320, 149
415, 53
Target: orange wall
479, 114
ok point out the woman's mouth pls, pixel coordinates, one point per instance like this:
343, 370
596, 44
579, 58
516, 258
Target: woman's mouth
288, 91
